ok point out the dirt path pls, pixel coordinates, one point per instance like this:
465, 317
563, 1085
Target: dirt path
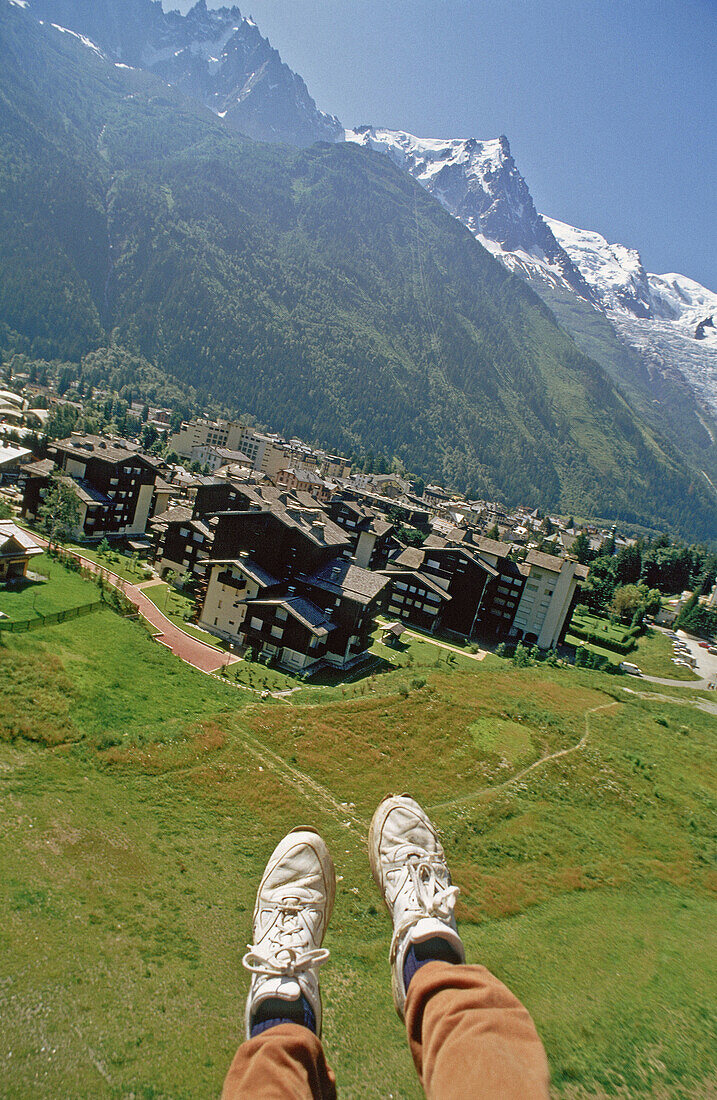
486, 792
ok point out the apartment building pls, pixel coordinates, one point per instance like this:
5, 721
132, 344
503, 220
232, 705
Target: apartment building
371, 535
549, 596
470, 585
281, 583
117, 487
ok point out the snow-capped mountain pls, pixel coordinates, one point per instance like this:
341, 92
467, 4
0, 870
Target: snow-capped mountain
479, 183
617, 276
668, 319
216, 56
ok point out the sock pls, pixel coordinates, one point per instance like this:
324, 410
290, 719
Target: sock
275, 1010
436, 949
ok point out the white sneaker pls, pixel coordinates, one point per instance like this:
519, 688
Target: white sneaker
409, 866
293, 907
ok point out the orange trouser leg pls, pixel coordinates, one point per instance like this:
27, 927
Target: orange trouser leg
470, 1037
285, 1062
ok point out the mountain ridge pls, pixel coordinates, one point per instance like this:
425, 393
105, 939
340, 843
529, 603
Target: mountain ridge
320, 289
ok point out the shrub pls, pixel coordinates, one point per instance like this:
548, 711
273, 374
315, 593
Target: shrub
418, 682
521, 657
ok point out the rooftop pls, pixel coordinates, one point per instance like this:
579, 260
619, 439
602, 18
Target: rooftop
343, 577
11, 533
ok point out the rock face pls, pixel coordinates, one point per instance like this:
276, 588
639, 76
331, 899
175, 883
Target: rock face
479, 183
215, 56
666, 318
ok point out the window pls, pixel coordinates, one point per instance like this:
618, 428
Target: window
197, 537
256, 624
401, 584
281, 613
277, 631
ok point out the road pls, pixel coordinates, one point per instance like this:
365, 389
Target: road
706, 666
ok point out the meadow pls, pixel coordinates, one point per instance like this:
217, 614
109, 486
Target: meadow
140, 800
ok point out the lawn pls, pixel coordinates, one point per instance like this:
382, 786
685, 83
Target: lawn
59, 591
600, 626
141, 799
122, 564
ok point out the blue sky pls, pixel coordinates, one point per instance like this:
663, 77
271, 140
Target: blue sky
609, 105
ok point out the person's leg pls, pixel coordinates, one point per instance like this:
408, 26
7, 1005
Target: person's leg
286, 1061
469, 1036
283, 1055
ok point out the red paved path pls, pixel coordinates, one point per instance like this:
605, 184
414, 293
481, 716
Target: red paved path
189, 649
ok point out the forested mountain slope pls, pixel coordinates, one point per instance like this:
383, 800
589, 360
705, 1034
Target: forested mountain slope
320, 289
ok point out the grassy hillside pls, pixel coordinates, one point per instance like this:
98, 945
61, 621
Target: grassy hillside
321, 290
141, 800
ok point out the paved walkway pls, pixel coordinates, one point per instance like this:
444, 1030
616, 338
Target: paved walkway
444, 645
190, 650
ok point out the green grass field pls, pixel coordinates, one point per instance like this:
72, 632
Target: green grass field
601, 626
114, 562
60, 591
141, 800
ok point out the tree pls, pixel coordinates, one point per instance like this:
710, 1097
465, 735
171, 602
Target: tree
493, 533
629, 565
581, 549
104, 548
59, 514
627, 602
171, 577
521, 657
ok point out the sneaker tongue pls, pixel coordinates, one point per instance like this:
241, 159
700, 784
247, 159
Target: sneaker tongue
428, 928
286, 989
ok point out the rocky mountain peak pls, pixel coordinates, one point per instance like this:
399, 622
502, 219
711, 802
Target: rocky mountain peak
479, 183
214, 55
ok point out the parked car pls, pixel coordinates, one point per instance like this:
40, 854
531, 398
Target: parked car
627, 666
712, 649
704, 645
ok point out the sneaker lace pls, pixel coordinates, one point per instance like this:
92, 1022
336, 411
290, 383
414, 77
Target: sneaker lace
290, 955
431, 895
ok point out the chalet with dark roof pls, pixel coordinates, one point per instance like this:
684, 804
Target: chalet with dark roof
117, 486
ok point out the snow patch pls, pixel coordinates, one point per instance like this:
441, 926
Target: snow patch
80, 38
